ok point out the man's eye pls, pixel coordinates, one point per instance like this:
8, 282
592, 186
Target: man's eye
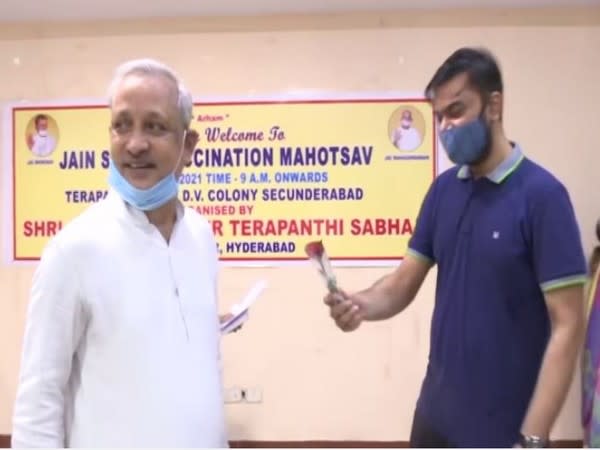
455, 111
156, 127
120, 126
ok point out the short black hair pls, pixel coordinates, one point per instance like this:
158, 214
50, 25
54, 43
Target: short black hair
40, 117
480, 66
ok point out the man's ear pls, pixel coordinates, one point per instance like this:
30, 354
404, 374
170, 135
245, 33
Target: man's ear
191, 139
495, 104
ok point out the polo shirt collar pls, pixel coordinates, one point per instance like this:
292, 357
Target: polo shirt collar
502, 171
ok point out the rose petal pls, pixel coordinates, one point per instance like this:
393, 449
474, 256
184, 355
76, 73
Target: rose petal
314, 249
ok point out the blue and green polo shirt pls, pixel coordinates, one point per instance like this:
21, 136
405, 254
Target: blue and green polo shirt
500, 242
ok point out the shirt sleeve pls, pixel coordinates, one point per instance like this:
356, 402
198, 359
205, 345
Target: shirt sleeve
557, 251
52, 332
421, 241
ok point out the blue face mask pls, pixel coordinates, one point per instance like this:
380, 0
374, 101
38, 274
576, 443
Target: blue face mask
468, 143
146, 199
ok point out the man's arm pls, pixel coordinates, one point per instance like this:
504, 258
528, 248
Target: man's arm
395, 291
560, 267
53, 328
384, 299
565, 308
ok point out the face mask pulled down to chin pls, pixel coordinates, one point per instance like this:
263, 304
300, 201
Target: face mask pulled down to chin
151, 198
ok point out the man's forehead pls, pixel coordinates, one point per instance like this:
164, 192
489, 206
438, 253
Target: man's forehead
154, 80
148, 109
451, 91
154, 90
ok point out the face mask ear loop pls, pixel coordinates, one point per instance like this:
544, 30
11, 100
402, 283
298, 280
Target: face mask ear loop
182, 149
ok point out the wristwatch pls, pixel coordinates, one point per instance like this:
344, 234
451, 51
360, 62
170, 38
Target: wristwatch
532, 441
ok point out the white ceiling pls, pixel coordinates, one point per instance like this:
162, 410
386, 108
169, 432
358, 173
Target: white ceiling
64, 10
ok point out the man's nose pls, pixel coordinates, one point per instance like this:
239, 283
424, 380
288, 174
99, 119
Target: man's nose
137, 143
444, 124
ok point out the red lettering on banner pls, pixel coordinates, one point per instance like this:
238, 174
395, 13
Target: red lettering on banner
216, 210
380, 227
35, 228
217, 227
283, 227
209, 118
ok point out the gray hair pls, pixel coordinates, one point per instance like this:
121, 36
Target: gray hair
151, 67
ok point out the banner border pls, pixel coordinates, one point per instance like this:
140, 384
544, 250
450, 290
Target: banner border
292, 97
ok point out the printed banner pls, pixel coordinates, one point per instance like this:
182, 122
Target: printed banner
269, 175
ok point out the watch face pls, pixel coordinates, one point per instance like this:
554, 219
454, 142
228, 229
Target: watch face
532, 442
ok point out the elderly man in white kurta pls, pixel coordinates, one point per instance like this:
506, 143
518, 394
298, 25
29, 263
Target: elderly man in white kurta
405, 136
41, 143
121, 345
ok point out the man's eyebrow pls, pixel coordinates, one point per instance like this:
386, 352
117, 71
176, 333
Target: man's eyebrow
447, 107
120, 113
149, 115
460, 91
154, 114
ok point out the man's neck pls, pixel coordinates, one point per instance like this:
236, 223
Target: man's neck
501, 148
164, 218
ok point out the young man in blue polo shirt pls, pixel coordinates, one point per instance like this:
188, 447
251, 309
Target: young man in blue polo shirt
508, 317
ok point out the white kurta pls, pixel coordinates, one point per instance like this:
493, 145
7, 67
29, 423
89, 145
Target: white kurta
407, 139
43, 145
122, 338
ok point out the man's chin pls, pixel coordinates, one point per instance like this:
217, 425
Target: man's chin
141, 184
141, 178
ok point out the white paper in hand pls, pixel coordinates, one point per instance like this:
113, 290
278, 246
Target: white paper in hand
233, 323
240, 310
